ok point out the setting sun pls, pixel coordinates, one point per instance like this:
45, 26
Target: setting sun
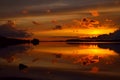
96, 32
99, 31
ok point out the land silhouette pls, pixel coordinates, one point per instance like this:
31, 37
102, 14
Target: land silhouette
4, 41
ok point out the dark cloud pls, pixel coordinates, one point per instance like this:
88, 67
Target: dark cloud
26, 2
36, 22
14, 7
9, 30
86, 23
58, 27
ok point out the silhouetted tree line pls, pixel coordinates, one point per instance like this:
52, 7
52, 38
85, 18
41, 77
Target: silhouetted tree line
4, 41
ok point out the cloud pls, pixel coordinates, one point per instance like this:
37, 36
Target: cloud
14, 7
24, 11
36, 23
11, 23
94, 13
54, 21
9, 30
85, 23
58, 27
94, 69
50, 5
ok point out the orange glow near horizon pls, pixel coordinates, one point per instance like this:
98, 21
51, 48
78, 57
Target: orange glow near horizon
70, 26
100, 31
95, 50
91, 32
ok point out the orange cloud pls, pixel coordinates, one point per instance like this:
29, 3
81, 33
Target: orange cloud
94, 13
85, 23
24, 11
57, 27
11, 59
36, 23
54, 21
11, 23
95, 70
48, 11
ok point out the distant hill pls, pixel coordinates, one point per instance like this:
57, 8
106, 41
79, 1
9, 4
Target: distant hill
112, 36
9, 29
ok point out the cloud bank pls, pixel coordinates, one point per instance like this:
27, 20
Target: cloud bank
16, 7
9, 30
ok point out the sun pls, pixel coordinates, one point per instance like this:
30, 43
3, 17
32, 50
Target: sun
96, 32
100, 31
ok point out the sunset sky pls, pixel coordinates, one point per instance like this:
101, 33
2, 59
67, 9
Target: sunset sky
62, 19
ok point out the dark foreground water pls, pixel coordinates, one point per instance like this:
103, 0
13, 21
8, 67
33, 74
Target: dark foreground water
60, 61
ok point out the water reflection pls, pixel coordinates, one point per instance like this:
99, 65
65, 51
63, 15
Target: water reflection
11, 53
82, 54
86, 57
113, 46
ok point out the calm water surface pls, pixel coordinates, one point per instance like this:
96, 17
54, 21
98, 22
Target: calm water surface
92, 58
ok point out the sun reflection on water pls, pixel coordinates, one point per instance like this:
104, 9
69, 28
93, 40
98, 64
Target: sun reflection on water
69, 56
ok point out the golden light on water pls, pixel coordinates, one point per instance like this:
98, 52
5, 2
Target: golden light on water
83, 54
81, 50
95, 50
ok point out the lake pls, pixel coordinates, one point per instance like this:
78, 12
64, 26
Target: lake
61, 61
